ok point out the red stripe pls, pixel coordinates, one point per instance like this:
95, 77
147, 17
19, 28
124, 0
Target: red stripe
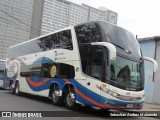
36, 84
67, 81
96, 103
99, 104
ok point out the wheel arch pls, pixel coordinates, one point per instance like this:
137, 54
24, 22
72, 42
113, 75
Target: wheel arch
51, 87
66, 86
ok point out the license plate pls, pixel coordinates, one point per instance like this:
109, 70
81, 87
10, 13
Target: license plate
129, 105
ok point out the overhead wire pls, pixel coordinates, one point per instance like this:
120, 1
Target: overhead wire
19, 21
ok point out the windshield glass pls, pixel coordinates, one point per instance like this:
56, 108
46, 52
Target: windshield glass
120, 37
126, 74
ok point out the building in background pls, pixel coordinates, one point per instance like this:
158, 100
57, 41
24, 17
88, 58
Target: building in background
150, 47
21, 20
58, 14
15, 15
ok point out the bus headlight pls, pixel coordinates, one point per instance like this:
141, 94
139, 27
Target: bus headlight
114, 94
142, 96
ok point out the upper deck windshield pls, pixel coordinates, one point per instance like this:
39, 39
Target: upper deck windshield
121, 38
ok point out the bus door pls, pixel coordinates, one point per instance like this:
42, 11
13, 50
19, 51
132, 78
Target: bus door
93, 66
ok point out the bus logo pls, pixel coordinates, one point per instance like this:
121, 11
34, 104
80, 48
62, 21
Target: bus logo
12, 69
53, 71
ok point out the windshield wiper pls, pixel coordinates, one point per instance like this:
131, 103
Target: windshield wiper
127, 51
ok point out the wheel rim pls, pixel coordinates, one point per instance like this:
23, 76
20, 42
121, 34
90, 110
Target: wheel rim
11, 88
70, 99
17, 90
55, 96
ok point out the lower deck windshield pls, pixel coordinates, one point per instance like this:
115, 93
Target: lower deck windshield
126, 74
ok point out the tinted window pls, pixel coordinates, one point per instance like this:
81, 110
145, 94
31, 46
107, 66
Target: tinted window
119, 36
36, 70
65, 71
58, 40
58, 70
88, 33
61, 40
48, 70
25, 70
93, 61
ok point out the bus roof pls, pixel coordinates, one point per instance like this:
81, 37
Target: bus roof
66, 29
2, 60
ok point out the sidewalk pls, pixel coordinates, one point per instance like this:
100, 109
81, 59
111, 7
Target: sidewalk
150, 107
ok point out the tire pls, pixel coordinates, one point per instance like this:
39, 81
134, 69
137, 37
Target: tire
11, 88
16, 90
104, 110
56, 99
70, 99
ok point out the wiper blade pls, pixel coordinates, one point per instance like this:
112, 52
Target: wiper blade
127, 51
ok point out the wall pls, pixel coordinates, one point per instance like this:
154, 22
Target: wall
36, 18
148, 49
156, 85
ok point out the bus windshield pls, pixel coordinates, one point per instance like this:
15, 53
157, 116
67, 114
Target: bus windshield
121, 38
126, 74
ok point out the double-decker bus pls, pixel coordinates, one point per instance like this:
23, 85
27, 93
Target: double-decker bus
94, 63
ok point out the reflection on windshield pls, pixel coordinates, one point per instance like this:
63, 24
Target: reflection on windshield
126, 74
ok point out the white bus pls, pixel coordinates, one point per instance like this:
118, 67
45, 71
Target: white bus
94, 63
2, 69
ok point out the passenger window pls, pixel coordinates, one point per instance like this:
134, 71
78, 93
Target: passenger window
88, 33
46, 70
36, 70
93, 62
65, 71
25, 70
58, 70
61, 40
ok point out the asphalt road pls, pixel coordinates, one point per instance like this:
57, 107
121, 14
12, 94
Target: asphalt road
26, 102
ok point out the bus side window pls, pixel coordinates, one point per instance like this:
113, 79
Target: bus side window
62, 70
25, 70
88, 33
96, 68
36, 70
93, 62
65, 71
46, 70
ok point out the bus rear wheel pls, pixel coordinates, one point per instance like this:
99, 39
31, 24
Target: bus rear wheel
11, 88
70, 99
17, 92
55, 96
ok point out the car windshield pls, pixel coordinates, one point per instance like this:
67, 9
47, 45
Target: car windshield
126, 74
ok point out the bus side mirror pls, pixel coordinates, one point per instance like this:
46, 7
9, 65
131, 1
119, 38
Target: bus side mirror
153, 61
110, 47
